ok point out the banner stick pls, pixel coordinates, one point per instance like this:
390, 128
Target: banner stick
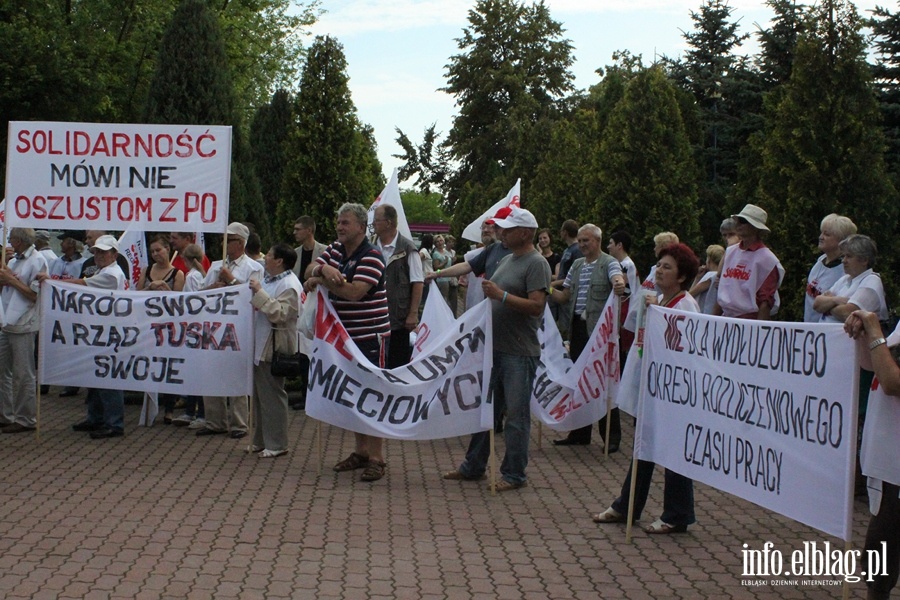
40, 368
606, 436
493, 465
630, 517
319, 444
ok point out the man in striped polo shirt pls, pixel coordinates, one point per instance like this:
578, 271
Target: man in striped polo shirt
352, 270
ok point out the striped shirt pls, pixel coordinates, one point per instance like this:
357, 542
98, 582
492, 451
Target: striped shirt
367, 318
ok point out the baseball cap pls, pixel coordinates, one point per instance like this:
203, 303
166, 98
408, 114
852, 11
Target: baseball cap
518, 217
106, 242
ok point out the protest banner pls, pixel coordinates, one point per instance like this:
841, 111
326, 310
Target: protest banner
436, 317
567, 396
763, 410
198, 343
441, 393
118, 176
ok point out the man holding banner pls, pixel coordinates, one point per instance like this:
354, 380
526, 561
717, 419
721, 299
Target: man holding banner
518, 290
592, 278
238, 269
352, 270
106, 408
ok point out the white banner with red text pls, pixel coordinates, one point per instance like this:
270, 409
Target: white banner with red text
567, 396
760, 409
118, 176
441, 393
198, 343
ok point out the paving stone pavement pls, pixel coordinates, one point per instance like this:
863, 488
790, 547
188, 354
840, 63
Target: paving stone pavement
162, 513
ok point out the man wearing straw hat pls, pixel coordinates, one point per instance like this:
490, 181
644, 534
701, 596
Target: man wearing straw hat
20, 285
237, 269
751, 273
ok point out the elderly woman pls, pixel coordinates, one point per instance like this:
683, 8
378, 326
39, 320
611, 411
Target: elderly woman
728, 230
277, 303
676, 269
880, 449
829, 267
751, 274
859, 288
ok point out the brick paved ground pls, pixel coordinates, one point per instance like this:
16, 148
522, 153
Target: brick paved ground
161, 513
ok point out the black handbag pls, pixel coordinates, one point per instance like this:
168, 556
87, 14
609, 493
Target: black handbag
287, 365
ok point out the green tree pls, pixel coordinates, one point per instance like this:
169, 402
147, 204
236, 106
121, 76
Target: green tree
715, 78
647, 173
192, 85
511, 73
429, 162
825, 150
886, 71
331, 155
421, 207
565, 182
269, 133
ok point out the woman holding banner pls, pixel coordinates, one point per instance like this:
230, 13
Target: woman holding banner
880, 449
277, 303
161, 276
676, 269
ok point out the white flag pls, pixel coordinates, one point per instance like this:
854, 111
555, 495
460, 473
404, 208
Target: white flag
133, 247
473, 231
390, 195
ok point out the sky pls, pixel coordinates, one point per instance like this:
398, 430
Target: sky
397, 50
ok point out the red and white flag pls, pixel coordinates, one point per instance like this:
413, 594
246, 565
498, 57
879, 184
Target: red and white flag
133, 247
473, 231
390, 195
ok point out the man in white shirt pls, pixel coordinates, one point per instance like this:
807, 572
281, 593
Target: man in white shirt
238, 269
20, 285
105, 408
42, 245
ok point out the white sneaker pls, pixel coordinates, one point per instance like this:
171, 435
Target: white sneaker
182, 420
197, 423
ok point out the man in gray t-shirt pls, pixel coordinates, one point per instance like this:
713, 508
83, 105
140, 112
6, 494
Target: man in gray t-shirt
518, 291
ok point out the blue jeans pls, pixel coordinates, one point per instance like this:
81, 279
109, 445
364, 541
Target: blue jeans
678, 495
107, 408
516, 375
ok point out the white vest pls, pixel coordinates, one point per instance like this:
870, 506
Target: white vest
743, 273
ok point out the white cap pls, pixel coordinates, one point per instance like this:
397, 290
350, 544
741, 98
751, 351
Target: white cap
238, 229
518, 217
106, 242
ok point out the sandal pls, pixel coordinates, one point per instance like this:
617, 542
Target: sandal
272, 453
610, 515
374, 470
660, 527
352, 462
254, 449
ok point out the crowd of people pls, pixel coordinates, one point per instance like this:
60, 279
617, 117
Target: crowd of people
378, 288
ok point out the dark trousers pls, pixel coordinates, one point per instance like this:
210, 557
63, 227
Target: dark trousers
578, 340
885, 527
399, 350
678, 495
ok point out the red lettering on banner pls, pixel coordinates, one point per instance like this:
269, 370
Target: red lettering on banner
331, 331
114, 144
164, 218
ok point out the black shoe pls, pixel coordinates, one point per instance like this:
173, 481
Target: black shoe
208, 431
571, 442
613, 448
45, 389
106, 432
237, 434
16, 428
87, 426
68, 392
298, 405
